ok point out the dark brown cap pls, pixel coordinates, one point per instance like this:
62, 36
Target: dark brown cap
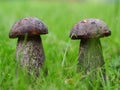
90, 28
29, 25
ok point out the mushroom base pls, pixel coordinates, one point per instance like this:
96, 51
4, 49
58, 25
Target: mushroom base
90, 56
30, 53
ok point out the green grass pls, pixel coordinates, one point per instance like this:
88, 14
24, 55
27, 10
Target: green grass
61, 52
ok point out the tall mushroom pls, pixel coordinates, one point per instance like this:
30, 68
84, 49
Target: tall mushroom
90, 52
29, 50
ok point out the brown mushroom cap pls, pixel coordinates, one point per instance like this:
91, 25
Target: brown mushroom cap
90, 28
30, 25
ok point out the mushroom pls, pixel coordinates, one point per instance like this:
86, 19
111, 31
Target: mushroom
90, 52
29, 50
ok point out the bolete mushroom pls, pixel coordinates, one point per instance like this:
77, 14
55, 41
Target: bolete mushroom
29, 50
90, 52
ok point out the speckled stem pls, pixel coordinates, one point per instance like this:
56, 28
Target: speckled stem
90, 55
30, 53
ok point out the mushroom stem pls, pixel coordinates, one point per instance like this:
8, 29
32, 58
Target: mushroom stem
30, 53
90, 55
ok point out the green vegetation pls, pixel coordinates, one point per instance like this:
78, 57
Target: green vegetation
61, 52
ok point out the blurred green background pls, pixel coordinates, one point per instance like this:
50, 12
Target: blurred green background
61, 52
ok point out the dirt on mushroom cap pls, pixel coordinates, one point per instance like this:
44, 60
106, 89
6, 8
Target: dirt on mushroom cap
28, 25
90, 28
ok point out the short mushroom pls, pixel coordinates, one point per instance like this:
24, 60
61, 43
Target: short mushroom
29, 50
90, 52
